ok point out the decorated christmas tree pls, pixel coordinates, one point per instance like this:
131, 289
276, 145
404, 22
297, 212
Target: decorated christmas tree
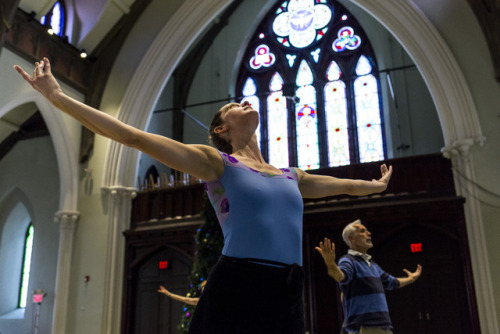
209, 241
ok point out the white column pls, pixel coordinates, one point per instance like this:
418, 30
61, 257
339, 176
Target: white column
67, 224
466, 186
119, 207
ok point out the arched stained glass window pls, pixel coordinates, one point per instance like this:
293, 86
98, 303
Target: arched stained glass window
319, 94
277, 117
55, 18
306, 119
369, 125
250, 95
25, 275
336, 117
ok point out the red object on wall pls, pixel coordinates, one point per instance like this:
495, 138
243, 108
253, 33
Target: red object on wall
416, 248
37, 298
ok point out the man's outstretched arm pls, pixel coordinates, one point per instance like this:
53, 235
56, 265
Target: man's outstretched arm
327, 250
411, 276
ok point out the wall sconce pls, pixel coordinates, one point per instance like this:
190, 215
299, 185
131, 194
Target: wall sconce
83, 54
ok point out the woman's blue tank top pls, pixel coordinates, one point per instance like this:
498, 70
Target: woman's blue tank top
260, 213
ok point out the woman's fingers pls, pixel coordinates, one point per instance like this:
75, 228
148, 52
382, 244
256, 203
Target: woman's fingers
38, 69
25, 75
47, 65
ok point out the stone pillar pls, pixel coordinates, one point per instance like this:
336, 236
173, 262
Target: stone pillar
119, 200
467, 187
67, 225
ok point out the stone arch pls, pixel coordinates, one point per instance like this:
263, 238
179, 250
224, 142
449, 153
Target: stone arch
66, 157
150, 78
435, 61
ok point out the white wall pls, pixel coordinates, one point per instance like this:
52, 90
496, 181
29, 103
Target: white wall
455, 21
30, 177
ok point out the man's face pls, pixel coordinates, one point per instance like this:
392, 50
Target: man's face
361, 240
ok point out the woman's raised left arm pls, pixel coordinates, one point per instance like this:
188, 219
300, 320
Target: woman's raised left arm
317, 186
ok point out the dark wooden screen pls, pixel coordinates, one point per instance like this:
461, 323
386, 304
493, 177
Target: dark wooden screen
420, 206
145, 309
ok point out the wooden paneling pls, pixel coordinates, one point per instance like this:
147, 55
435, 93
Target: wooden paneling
420, 205
145, 310
165, 206
425, 307
30, 40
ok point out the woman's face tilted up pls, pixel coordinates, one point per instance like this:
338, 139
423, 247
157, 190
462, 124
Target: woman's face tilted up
241, 118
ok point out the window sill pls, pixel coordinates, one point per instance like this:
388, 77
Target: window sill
15, 314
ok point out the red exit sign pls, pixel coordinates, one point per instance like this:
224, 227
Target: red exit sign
163, 264
416, 248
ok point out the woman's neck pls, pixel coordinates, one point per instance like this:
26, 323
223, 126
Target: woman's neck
249, 152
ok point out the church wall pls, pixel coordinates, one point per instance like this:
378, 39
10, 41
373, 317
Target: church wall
456, 22
29, 172
215, 80
85, 314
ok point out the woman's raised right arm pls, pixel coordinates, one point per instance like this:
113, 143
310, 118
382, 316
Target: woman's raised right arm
201, 161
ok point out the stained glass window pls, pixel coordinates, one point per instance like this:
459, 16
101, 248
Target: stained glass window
319, 95
369, 125
300, 20
249, 94
336, 117
315, 54
277, 114
306, 119
55, 19
25, 275
346, 40
291, 59
262, 57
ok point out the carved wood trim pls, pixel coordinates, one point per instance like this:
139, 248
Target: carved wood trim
29, 39
7, 11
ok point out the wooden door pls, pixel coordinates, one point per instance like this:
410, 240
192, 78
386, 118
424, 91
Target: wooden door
438, 301
155, 313
441, 301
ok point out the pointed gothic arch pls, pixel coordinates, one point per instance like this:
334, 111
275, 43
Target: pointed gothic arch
68, 196
61, 139
313, 47
423, 43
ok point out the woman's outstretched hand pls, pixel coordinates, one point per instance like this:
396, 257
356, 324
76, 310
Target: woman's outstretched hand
386, 176
42, 79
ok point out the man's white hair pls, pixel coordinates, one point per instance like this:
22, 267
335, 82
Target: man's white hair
349, 230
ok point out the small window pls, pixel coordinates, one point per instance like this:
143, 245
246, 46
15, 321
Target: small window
55, 19
25, 274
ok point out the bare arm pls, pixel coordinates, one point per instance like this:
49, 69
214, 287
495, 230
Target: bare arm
187, 300
316, 186
201, 161
411, 276
327, 250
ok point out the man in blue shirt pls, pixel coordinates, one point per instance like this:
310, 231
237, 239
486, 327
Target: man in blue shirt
362, 282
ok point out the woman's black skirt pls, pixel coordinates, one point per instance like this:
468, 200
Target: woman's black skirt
244, 297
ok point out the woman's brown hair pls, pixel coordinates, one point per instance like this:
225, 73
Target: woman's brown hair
216, 140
